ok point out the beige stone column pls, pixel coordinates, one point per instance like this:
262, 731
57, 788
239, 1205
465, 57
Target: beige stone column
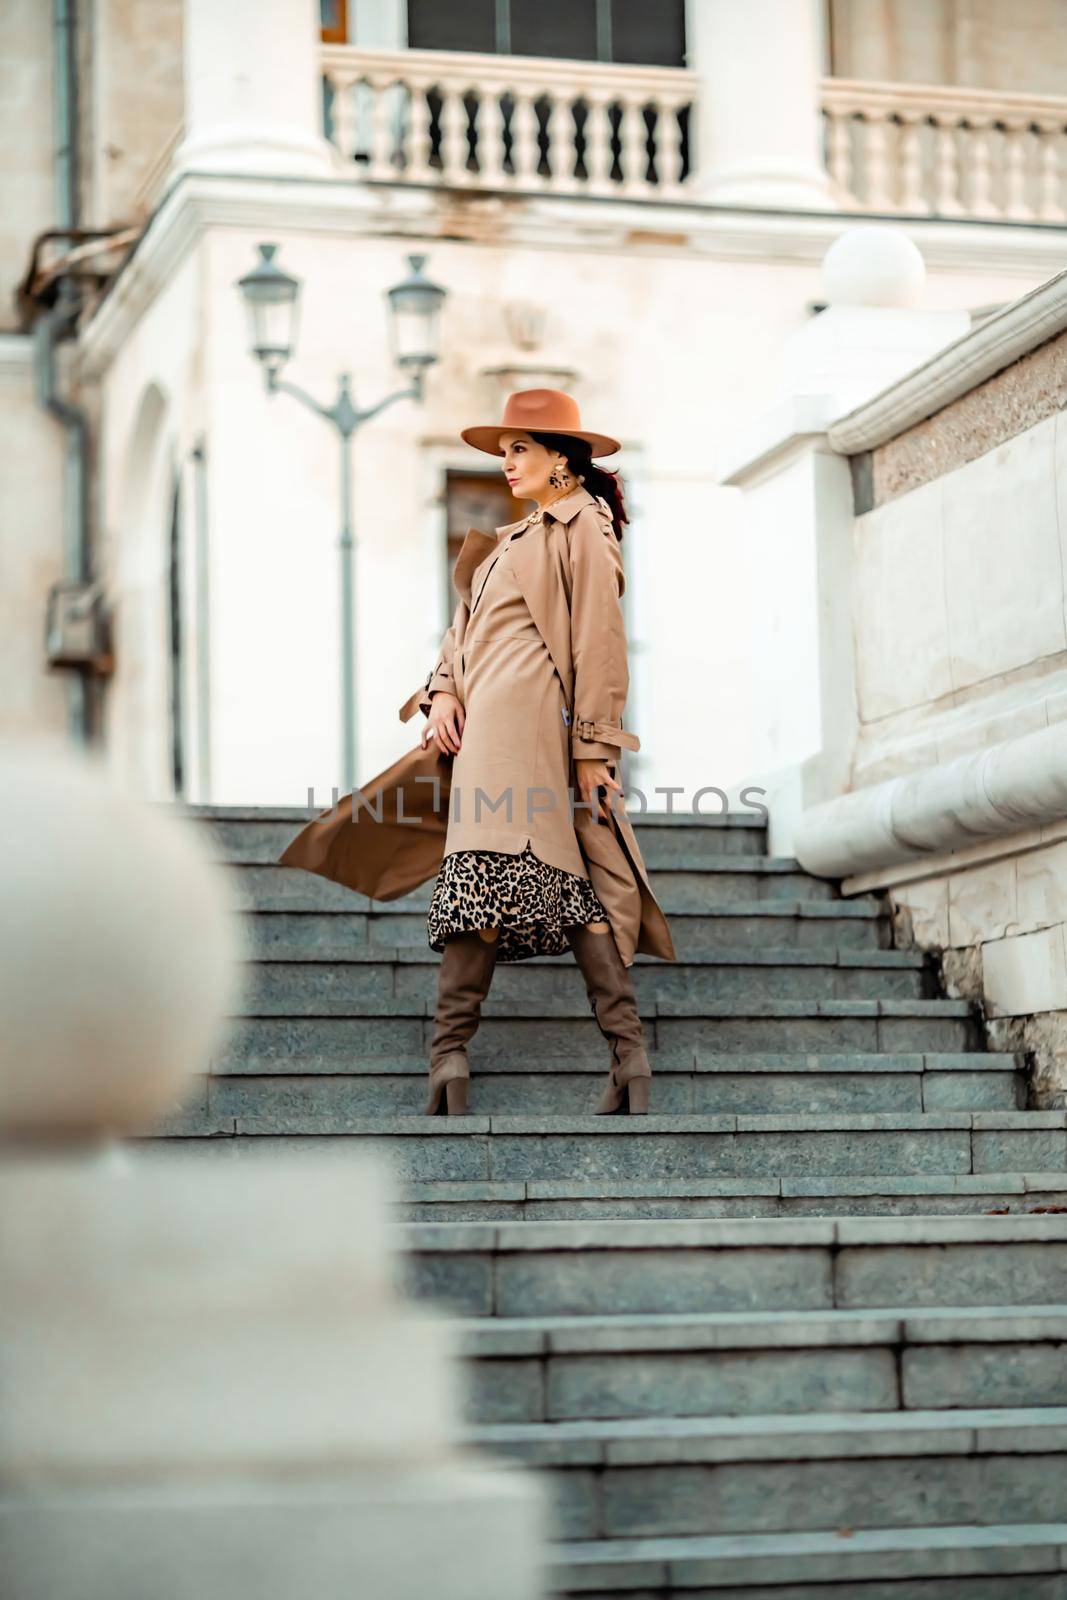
759, 140
252, 89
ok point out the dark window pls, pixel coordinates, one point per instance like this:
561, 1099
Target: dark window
459, 25
646, 35
564, 28
633, 32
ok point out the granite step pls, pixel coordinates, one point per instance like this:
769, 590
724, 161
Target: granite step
1014, 1561
661, 1476
768, 880
931, 1194
259, 834
686, 1083
334, 1021
480, 1148
412, 974
543, 1269
787, 1363
824, 925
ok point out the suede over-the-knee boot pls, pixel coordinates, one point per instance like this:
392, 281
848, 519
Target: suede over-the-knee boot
614, 1004
463, 980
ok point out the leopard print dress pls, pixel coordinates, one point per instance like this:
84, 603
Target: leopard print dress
530, 901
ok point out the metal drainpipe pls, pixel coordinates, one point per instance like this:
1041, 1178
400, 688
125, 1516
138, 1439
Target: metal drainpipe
49, 328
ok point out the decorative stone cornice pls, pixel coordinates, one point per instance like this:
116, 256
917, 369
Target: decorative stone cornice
196, 202
992, 793
1002, 339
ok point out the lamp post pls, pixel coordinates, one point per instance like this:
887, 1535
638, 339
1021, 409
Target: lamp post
273, 301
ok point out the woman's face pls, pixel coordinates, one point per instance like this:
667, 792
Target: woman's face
527, 465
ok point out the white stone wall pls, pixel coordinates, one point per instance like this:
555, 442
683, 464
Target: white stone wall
961, 630
149, 423
135, 85
31, 516
27, 184
974, 651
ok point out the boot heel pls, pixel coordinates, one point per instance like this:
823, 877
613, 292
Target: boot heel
637, 1093
456, 1096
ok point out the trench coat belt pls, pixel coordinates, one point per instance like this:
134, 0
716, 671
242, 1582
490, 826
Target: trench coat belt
605, 733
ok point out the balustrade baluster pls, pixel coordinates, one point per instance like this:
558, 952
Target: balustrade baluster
561, 141
876, 161
979, 200
912, 197
839, 147
1017, 146
597, 143
343, 112
420, 137
382, 130
490, 135
668, 144
524, 152
948, 200
633, 156
1050, 179
454, 146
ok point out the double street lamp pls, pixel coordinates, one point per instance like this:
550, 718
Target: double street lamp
272, 298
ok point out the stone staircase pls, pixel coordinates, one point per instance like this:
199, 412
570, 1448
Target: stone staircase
800, 1332
775, 1407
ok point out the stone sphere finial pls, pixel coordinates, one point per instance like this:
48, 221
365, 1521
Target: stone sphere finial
873, 264
120, 954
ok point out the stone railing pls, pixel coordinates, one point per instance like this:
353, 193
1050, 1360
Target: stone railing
510, 122
929, 151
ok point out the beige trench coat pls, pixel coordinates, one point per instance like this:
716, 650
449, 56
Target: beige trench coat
389, 836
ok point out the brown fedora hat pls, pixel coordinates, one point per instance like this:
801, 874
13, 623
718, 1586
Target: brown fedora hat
539, 411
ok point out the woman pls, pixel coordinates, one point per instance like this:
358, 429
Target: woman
539, 616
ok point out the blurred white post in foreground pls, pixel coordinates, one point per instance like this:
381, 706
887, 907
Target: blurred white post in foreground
212, 1386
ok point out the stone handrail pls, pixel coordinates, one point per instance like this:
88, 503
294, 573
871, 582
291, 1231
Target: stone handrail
928, 150
993, 793
504, 122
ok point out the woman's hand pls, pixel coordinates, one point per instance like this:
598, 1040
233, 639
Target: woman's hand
445, 723
592, 774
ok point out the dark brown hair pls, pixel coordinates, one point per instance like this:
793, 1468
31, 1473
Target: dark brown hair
598, 480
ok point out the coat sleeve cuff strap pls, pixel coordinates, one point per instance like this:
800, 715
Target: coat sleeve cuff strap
418, 700
587, 731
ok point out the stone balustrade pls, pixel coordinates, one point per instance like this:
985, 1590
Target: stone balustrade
922, 150
538, 124
510, 122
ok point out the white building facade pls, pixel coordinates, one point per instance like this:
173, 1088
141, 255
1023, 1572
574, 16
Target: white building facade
655, 267
641, 222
